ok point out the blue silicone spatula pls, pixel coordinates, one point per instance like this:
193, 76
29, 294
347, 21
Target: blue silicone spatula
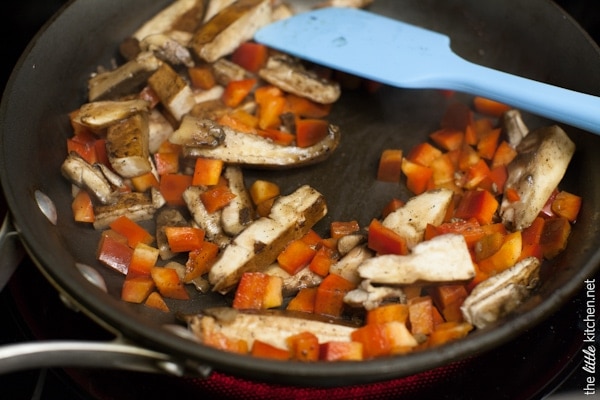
385, 50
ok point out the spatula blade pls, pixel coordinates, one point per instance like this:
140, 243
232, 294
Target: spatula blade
361, 43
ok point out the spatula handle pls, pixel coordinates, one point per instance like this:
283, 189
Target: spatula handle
562, 105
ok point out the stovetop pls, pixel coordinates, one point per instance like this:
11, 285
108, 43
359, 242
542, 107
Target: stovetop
544, 360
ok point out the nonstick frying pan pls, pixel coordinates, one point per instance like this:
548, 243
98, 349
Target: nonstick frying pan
533, 39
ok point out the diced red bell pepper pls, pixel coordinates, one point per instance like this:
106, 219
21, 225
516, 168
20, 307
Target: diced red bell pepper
82, 207
566, 205
257, 290
424, 153
387, 313
207, 171
448, 139
134, 232
236, 91
168, 283
136, 289
217, 197
143, 259
172, 187
310, 131
341, 351
322, 261
184, 238
418, 177
305, 108
114, 252
251, 56
200, 260
304, 346
304, 301
384, 240
202, 77
329, 299
478, 204
166, 163
295, 256
390, 166
489, 107
420, 315
265, 350
156, 301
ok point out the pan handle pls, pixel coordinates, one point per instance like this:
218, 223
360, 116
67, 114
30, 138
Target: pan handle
86, 354
11, 250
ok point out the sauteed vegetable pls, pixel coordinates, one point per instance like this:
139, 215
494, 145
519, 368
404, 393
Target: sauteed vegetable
166, 136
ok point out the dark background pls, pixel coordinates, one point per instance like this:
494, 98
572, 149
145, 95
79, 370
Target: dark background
22, 19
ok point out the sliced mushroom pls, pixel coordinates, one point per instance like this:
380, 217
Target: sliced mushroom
101, 114
233, 25
348, 242
184, 15
514, 127
198, 132
501, 294
126, 79
444, 258
84, 175
271, 327
236, 215
127, 146
257, 246
410, 220
347, 266
226, 71
174, 93
370, 296
216, 6
137, 206
159, 130
256, 151
304, 278
542, 160
167, 49
290, 75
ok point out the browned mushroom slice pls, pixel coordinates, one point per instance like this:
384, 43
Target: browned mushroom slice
272, 327
198, 132
85, 175
226, 71
137, 206
180, 15
290, 75
256, 151
542, 160
444, 258
514, 127
258, 246
501, 294
127, 146
291, 284
126, 79
410, 220
239, 213
100, 114
233, 25
168, 49
173, 92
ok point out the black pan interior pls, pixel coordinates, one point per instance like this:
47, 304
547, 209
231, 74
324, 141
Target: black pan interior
533, 39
